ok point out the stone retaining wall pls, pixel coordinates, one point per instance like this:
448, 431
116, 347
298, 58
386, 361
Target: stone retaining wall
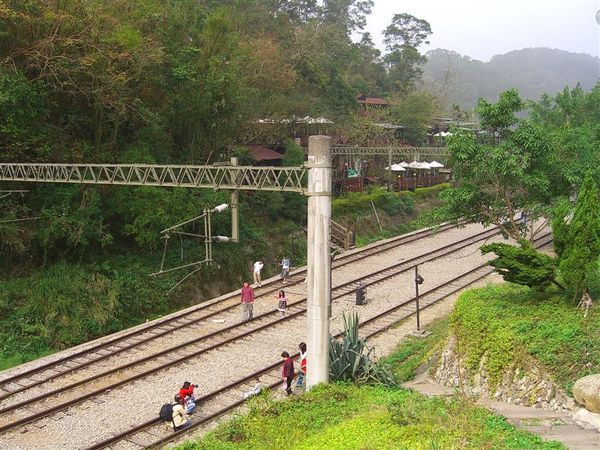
528, 385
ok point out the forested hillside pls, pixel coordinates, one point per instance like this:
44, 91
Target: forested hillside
462, 81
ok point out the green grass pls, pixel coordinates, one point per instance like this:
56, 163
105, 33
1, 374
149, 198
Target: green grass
398, 212
508, 322
343, 416
414, 351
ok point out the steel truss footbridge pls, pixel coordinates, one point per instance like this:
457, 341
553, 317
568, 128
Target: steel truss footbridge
290, 179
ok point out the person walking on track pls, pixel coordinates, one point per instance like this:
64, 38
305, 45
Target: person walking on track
287, 372
258, 265
282, 305
285, 269
247, 298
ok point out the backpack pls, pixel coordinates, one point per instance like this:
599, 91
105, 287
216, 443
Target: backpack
166, 412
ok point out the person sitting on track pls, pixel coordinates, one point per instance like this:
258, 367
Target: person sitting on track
187, 394
180, 419
254, 391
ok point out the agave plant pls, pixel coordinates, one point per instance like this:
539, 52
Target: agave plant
350, 357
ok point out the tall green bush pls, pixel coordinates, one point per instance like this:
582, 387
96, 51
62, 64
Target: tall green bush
523, 265
579, 262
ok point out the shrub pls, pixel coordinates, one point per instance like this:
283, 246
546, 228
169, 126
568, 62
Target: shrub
360, 202
350, 358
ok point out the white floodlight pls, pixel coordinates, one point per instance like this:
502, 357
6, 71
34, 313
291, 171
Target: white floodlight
222, 207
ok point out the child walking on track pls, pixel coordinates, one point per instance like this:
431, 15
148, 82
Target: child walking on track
287, 372
282, 305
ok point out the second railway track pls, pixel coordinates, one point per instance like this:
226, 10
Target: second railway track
153, 433
71, 394
22, 381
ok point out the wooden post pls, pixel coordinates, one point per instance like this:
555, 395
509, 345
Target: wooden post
390, 174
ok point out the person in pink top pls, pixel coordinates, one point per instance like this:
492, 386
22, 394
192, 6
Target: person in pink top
247, 298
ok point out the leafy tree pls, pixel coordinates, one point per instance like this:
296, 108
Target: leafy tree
579, 261
511, 171
523, 265
402, 39
497, 118
350, 15
406, 31
415, 112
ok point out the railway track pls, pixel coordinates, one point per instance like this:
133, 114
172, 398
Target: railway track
22, 381
81, 390
154, 433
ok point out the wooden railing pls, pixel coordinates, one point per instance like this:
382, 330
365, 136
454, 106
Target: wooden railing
341, 237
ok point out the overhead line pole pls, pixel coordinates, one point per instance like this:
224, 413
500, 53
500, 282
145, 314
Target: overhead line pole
319, 261
234, 178
235, 221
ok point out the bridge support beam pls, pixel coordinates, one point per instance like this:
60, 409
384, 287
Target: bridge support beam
319, 261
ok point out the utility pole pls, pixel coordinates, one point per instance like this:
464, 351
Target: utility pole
235, 224
319, 260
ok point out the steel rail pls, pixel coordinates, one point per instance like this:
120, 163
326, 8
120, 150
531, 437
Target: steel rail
409, 264
340, 261
485, 268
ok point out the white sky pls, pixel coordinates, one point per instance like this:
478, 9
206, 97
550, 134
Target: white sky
484, 28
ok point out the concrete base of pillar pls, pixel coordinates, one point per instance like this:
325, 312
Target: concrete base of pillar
420, 333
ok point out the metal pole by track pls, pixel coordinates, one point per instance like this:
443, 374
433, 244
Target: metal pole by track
235, 221
319, 261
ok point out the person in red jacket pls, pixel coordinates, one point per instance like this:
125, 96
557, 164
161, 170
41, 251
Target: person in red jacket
247, 298
187, 394
287, 372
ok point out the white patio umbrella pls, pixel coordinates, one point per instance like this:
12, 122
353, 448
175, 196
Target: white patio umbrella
396, 168
436, 165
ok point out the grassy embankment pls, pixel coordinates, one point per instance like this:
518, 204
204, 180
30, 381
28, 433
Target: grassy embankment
343, 416
507, 323
398, 212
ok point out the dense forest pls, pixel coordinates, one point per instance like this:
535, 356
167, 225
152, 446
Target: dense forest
161, 81
462, 81
182, 81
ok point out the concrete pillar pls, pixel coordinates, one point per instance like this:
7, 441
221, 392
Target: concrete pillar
235, 221
318, 281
